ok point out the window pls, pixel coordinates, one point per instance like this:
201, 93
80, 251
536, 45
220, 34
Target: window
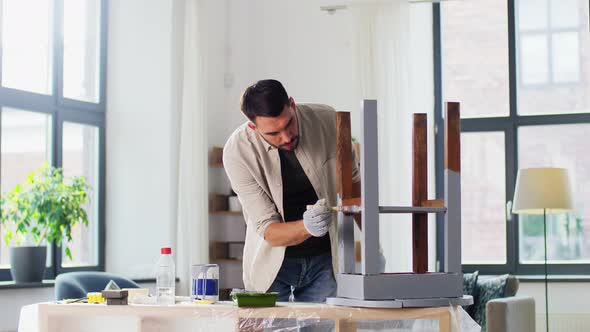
563, 145
81, 50
80, 151
27, 48
549, 33
24, 146
52, 109
518, 67
482, 208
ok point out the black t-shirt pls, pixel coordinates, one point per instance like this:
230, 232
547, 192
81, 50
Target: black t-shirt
297, 194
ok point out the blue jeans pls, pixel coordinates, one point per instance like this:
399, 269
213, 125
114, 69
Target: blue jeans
307, 279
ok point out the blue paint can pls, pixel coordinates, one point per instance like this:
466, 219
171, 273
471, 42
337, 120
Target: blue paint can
205, 282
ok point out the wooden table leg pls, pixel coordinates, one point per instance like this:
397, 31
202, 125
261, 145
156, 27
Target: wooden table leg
444, 322
345, 325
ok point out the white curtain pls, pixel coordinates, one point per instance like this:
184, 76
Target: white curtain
381, 43
192, 218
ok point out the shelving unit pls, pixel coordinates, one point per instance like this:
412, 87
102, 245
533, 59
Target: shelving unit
227, 229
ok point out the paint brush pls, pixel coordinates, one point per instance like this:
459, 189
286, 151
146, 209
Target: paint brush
340, 208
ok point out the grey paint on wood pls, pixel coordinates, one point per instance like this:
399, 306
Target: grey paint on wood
369, 188
415, 303
371, 289
345, 242
363, 303
452, 225
400, 286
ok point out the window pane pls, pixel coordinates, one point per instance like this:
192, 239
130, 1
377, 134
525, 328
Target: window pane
552, 63
534, 14
568, 236
81, 50
475, 56
26, 144
80, 158
565, 13
26, 45
483, 196
565, 55
534, 62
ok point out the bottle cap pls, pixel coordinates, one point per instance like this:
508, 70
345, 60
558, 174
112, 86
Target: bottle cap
166, 251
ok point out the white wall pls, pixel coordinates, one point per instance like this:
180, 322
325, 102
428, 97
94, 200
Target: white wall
305, 48
11, 300
294, 42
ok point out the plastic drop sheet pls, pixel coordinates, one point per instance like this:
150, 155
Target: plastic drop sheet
225, 316
331, 318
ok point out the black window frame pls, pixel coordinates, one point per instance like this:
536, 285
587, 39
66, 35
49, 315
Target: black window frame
509, 125
64, 110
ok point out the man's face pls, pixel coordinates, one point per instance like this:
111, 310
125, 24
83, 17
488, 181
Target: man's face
281, 131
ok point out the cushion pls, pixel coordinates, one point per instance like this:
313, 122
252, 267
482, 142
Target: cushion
511, 286
469, 284
487, 289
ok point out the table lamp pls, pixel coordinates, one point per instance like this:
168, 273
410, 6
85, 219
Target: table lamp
542, 191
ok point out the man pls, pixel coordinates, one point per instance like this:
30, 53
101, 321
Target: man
278, 162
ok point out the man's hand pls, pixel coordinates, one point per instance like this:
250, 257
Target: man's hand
317, 218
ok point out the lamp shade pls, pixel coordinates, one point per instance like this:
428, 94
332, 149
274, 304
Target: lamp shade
539, 189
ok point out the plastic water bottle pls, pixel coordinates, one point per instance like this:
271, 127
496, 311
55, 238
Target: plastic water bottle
165, 277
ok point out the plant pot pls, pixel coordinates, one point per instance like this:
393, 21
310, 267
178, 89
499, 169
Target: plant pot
27, 264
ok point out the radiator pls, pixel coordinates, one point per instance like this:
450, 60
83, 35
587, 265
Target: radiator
564, 322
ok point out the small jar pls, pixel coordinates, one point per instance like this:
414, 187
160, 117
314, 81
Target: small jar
205, 282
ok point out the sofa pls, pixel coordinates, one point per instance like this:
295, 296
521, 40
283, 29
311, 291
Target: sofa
496, 307
74, 285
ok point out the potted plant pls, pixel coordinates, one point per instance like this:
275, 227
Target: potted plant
42, 210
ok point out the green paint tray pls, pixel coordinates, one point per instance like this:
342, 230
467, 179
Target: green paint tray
255, 299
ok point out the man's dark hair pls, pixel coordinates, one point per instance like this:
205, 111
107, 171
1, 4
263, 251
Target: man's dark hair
264, 98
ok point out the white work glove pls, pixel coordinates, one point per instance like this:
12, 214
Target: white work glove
317, 218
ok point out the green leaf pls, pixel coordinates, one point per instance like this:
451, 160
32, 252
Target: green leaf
69, 253
8, 237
